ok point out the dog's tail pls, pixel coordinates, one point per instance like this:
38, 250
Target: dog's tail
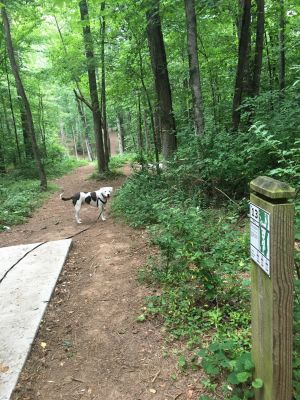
65, 198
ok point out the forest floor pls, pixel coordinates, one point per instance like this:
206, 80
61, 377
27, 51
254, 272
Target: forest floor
90, 345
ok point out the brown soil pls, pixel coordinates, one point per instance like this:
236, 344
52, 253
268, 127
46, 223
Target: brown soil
90, 345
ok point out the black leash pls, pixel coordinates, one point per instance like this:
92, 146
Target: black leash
42, 243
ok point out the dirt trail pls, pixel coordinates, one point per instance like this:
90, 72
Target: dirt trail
94, 348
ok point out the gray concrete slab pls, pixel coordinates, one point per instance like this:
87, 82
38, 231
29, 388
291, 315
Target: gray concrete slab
24, 294
10, 255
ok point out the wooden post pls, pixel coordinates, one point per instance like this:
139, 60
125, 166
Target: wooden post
272, 247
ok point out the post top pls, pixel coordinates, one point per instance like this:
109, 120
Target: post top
272, 188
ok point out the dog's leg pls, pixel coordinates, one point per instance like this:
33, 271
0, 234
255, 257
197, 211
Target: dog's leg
101, 212
77, 211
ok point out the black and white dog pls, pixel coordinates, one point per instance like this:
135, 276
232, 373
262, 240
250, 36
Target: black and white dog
96, 199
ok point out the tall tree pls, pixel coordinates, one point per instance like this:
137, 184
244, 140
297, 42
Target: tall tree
244, 41
281, 40
161, 78
103, 83
25, 102
140, 141
89, 52
195, 82
12, 110
259, 45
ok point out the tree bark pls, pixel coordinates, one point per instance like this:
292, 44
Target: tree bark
42, 122
89, 52
26, 105
155, 141
241, 66
259, 45
25, 130
161, 78
103, 85
194, 70
12, 111
75, 142
140, 140
281, 39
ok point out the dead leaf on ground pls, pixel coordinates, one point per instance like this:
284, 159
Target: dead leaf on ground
3, 368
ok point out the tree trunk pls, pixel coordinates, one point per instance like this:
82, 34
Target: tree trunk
161, 78
155, 141
259, 45
213, 85
25, 131
42, 122
26, 105
2, 149
75, 142
89, 52
147, 133
121, 132
195, 82
281, 40
85, 130
140, 140
12, 111
242, 61
2, 159
103, 85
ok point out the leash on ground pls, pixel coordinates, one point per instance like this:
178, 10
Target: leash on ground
17, 262
41, 244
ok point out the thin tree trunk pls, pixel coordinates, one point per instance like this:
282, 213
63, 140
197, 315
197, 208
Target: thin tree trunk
147, 133
139, 125
213, 85
89, 52
155, 141
121, 132
80, 135
42, 122
12, 111
241, 66
19, 84
259, 45
161, 78
75, 143
103, 85
25, 129
269, 62
194, 70
2, 159
85, 130
5, 116
281, 39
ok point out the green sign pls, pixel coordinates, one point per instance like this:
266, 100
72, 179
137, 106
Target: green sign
260, 237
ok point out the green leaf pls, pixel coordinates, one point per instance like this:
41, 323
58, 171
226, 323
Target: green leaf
258, 383
182, 362
243, 376
232, 378
141, 318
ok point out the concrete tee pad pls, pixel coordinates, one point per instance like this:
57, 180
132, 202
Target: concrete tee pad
25, 291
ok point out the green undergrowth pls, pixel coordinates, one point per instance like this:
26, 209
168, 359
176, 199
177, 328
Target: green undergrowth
119, 160
20, 191
115, 163
202, 277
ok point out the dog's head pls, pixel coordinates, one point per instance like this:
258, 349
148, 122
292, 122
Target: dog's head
106, 191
